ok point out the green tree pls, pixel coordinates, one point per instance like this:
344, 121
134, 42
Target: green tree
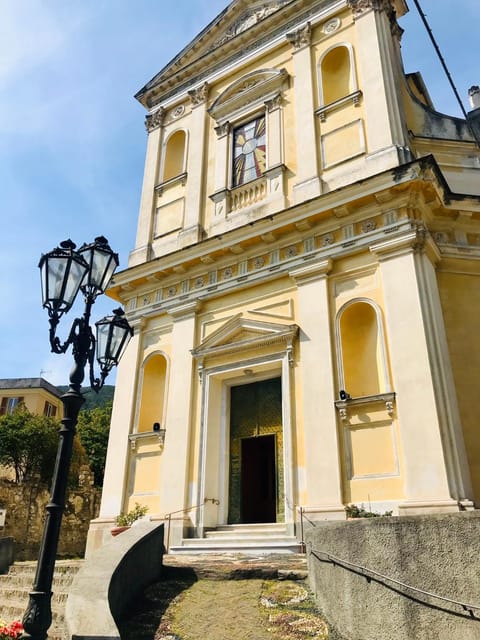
28, 443
93, 429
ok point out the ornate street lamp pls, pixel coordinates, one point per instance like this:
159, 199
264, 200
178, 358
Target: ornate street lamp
65, 272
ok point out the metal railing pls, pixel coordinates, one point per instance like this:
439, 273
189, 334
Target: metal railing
168, 516
369, 574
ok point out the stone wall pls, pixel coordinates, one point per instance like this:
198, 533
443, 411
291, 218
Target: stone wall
25, 506
437, 554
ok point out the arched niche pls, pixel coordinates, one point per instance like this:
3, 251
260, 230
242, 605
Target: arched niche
175, 154
337, 79
362, 362
152, 392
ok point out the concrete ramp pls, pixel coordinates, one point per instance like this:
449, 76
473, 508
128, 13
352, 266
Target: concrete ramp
110, 578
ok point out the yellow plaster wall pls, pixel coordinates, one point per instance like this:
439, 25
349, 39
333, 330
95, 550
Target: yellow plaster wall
459, 285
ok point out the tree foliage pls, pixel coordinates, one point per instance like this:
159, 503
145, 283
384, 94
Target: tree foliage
28, 445
93, 429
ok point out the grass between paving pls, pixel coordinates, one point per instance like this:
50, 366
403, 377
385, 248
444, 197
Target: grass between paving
184, 608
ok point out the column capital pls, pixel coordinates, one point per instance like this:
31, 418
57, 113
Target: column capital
301, 38
361, 7
185, 311
155, 120
316, 271
223, 129
199, 95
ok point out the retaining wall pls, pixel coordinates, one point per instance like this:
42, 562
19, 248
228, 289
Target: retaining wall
438, 554
25, 516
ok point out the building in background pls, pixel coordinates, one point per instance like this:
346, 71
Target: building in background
36, 394
304, 285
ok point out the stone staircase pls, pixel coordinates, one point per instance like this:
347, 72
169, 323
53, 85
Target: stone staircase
242, 538
16, 585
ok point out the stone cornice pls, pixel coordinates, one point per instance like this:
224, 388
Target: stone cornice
174, 80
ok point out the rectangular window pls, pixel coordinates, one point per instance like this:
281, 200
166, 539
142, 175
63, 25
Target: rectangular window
249, 151
50, 410
9, 405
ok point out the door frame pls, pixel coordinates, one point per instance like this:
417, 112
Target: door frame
214, 451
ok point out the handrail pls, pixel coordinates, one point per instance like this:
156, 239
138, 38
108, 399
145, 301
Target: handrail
302, 511
368, 573
168, 516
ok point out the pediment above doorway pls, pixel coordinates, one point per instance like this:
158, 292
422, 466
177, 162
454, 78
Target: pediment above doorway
242, 334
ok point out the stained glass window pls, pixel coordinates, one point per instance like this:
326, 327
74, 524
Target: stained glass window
249, 151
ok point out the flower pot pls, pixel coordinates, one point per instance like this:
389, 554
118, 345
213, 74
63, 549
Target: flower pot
116, 530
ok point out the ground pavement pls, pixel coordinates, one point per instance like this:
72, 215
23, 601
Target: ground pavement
227, 597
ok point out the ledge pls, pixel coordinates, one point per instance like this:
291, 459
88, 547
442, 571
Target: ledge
354, 98
180, 179
388, 399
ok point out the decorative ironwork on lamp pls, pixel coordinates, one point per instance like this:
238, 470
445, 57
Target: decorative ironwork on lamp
65, 272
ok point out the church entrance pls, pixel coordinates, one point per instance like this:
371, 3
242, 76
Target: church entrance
256, 492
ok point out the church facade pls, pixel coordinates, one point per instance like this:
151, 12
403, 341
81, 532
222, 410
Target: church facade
304, 283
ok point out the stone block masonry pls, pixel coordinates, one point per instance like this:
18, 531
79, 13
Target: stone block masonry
25, 516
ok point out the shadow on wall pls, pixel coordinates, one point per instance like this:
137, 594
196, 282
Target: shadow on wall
399, 578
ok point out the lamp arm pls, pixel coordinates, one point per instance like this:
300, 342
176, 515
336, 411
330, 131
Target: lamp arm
95, 383
55, 344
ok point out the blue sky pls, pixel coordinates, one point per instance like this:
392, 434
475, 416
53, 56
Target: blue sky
72, 138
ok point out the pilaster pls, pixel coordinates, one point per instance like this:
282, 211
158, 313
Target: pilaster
174, 489
308, 183
321, 479
379, 65
196, 156
154, 127
431, 476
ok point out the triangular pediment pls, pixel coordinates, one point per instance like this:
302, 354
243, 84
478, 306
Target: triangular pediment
237, 19
241, 333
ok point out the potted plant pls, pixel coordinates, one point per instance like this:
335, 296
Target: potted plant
125, 520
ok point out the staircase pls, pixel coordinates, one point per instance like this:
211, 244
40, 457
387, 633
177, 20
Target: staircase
17, 584
242, 538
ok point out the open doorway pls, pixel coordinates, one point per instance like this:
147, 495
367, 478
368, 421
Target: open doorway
256, 492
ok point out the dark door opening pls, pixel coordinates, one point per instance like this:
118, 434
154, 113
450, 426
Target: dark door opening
258, 492
255, 490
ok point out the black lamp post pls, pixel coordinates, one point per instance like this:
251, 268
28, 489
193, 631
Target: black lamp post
64, 272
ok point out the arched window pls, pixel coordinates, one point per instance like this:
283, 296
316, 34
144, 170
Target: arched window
175, 155
337, 74
362, 364
152, 396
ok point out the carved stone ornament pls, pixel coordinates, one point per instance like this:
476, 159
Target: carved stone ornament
361, 6
155, 120
274, 103
199, 95
178, 111
249, 19
223, 129
301, 37
331, 26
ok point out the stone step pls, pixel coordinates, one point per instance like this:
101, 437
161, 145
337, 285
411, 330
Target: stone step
17, 584
247, 531
259, 547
